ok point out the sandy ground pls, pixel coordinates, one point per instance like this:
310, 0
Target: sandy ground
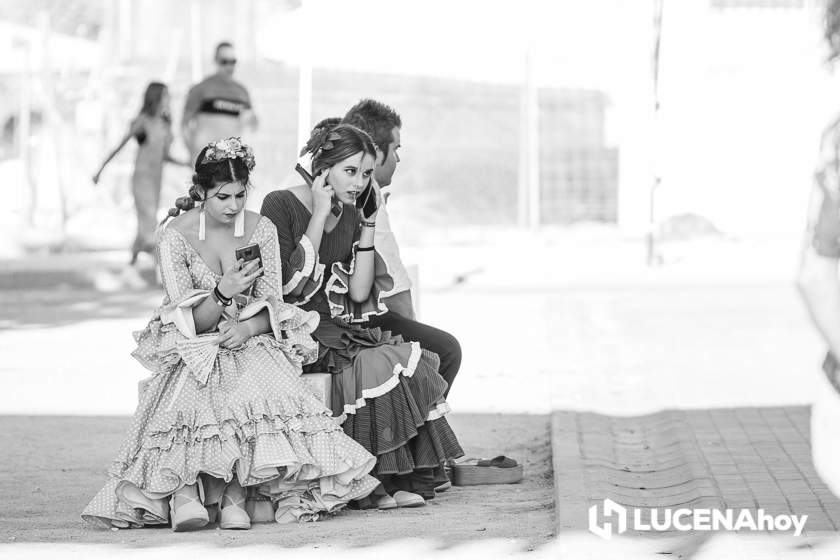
53, 465
587, 328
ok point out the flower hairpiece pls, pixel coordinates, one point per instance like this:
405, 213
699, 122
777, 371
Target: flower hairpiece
230, 148
321, 140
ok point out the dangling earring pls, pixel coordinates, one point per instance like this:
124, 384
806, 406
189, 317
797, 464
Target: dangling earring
239, 224
201, 224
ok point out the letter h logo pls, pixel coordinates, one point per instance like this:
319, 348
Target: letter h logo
610, 508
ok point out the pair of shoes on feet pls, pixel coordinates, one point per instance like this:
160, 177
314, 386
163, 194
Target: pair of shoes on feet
400, 499
189, 513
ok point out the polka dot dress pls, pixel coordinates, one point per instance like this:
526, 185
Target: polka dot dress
210, 414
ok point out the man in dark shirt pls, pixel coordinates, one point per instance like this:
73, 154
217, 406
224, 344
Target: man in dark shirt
218, 107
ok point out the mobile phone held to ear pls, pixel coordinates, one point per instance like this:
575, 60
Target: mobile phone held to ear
309, 179
366, 201
249, 253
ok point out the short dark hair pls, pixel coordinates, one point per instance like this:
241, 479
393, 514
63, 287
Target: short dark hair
223, 45
377, 119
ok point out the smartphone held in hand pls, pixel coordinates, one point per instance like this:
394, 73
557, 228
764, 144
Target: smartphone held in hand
249, 253
366, 201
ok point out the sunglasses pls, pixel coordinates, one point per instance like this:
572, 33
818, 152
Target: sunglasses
227, 61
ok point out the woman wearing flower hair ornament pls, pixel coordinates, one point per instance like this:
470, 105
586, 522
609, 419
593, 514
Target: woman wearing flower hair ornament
226, 409
387, 392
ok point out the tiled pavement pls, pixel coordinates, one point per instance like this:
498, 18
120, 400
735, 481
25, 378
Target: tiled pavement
713, 458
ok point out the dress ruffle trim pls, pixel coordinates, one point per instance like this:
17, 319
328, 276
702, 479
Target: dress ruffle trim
259, 442
338, 287
393, 381
312, 273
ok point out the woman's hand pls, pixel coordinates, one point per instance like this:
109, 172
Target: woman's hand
322, 195
233, 334
239, 278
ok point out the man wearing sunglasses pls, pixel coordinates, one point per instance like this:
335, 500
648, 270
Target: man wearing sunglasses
217, 107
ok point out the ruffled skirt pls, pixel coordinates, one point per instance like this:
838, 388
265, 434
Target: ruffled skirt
255, 419
389, 395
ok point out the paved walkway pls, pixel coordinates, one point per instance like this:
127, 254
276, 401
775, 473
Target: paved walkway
723, 458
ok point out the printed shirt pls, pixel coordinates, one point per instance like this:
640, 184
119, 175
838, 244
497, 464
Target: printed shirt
217, 94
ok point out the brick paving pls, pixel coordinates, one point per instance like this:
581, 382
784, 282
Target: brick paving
754, 458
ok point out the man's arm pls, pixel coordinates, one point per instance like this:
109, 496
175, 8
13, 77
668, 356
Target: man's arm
818, 281
191, 106
386, 245
401, 303
249, 116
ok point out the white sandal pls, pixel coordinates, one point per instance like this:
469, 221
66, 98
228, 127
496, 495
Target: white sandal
190, 514
233, 514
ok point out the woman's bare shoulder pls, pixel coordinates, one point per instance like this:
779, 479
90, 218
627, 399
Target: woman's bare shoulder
185, 223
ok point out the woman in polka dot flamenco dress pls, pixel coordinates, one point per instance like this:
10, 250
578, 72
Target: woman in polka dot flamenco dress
226, 412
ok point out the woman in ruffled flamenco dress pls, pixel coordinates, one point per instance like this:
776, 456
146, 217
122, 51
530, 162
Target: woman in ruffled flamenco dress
226, 408
387, 392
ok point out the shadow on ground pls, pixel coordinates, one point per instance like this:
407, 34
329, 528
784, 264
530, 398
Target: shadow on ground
59, 307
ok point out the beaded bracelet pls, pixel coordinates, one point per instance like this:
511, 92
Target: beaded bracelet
368, 224
221, 300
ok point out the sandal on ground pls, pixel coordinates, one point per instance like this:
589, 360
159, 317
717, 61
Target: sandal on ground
233, 514
189, 513
498, 470
408, 499
443, 487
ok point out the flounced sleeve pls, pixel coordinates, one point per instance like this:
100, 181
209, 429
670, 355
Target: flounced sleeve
291, 326
338, 289
172, 323
302, 271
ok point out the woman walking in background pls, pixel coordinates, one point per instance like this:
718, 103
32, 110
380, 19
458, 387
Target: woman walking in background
152, 129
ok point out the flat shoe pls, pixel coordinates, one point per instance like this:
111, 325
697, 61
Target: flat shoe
443, 487
386, 502
408, 499
233, 514
188, 516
